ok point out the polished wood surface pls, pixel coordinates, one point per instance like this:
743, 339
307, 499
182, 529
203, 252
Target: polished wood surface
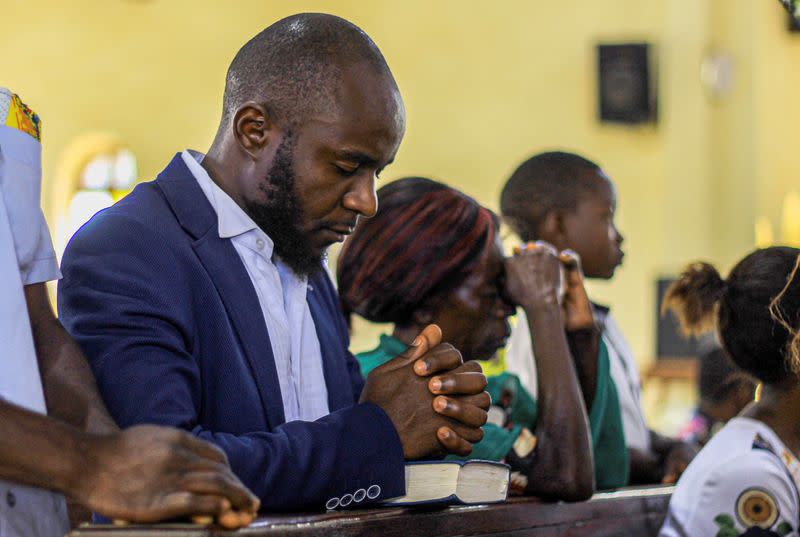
628, 512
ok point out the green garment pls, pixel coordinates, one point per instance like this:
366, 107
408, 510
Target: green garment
605, 420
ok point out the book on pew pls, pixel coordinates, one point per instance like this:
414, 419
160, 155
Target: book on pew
454, 482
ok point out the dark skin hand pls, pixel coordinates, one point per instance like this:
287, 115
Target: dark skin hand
69, 386
664, 463
444, 412
564, 465
143, 474
675, 456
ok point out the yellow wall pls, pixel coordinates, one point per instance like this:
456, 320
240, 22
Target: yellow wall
484, 87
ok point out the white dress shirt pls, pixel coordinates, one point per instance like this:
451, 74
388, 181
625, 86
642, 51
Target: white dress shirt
26, 257
623, 369
625, 374
282, 296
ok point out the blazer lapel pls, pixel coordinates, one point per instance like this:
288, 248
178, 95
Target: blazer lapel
229, 275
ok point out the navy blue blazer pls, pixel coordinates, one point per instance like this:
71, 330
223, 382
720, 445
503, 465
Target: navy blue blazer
170, 322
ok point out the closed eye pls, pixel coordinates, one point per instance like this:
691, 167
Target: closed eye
346, 171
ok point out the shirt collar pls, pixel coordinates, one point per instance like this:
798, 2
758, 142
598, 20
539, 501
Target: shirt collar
232, 220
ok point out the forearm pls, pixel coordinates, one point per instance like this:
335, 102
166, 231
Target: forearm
584, 345
301, 465
69, 387
39, 451
564, 465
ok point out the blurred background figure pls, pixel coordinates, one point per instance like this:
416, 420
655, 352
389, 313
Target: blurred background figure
723, 391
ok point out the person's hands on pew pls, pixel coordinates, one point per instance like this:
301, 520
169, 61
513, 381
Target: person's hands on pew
148, 473
677, 460
431, 414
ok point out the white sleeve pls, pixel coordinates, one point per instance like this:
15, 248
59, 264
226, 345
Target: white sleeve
20, 186
519, 355
43, 265
752, 491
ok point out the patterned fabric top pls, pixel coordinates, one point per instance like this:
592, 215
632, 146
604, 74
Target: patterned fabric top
742, 484
17, 115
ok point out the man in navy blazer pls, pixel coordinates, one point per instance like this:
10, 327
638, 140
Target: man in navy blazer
177, 316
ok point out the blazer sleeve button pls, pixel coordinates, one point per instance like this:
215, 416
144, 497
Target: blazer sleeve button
359, 495
373, 492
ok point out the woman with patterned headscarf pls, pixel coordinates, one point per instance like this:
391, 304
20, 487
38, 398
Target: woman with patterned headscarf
433, 255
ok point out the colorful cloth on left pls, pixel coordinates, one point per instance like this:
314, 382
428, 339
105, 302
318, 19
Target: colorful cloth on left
513, 415
17, 115
26, 257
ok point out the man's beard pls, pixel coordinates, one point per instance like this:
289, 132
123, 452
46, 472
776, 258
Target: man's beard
281, 216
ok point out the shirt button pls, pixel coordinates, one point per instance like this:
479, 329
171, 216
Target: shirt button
11, 500
260, 244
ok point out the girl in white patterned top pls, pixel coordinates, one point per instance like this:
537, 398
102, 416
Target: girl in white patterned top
745, 481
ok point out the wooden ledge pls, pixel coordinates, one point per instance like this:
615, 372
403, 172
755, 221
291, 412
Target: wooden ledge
630, 512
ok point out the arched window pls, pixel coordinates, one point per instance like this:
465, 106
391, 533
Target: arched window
94, 173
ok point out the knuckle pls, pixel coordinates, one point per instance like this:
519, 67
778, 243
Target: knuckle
473, 366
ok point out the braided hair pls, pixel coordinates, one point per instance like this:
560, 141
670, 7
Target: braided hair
425, 240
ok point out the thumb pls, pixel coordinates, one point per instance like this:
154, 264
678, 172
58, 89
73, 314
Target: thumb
572, 265
429, 338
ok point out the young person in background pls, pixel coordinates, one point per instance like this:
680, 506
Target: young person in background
569, 202
723, 391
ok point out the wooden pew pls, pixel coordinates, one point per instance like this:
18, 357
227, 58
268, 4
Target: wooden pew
629, 512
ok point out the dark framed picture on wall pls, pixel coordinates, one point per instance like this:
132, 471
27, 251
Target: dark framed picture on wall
625, 83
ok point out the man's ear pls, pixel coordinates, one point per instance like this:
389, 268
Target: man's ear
252, 127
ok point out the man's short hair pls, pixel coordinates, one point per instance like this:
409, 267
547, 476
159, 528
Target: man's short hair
294, 66
543, 183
